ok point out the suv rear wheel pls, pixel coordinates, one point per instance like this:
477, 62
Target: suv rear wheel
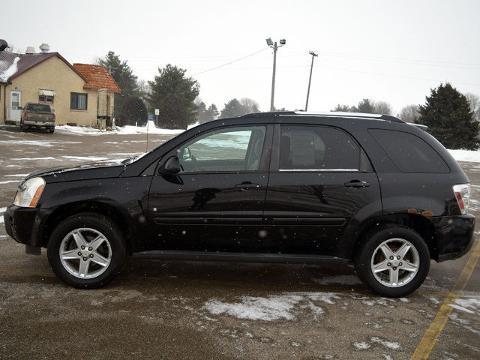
86, 250
394, 261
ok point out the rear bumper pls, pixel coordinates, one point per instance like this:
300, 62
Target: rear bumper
39, 123
454, 235
24, 224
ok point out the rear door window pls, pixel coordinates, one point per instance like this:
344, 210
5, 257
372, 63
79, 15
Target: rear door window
409, 153
317, 148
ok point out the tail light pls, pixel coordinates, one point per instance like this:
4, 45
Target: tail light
53, 117
462, 195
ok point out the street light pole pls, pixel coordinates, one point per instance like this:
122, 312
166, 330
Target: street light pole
274, 46
314, 55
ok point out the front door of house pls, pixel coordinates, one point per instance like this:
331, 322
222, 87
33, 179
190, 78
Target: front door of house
14, 110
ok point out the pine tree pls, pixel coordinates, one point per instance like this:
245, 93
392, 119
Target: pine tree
133, 112
174, 95
123, 75
238, 108
448, 115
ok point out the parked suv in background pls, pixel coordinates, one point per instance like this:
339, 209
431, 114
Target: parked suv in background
270, 187
37, 116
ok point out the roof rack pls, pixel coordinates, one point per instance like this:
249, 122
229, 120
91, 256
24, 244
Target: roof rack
326, 114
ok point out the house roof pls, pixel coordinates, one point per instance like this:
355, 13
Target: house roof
13, 65
97, 77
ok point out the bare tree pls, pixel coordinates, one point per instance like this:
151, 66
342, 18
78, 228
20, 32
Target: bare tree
409, 113
474, 102
250, 105
382, 107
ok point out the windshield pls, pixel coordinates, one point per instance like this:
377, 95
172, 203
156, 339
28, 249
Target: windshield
38, 108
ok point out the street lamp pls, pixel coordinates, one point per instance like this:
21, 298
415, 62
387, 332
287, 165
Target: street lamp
3, 45
275, 47
314, 55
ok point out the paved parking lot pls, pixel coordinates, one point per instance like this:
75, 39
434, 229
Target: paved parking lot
193, 310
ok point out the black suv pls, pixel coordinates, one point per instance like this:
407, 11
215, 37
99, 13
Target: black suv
270, 187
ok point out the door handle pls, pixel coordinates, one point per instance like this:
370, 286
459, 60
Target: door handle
246, 185
357, 184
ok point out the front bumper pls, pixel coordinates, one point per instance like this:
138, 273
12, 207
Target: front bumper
454, 236
23, 225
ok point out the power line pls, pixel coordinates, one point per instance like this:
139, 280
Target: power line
230, 62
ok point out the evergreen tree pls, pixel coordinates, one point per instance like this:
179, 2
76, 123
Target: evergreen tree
213, 111
364, 106
133, 112
238, 108
342, 108
174, 95
123, 75
205, 114
448, 115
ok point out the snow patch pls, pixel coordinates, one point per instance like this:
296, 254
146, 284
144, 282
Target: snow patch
12, 69
466, 155
8, 182
275, 307
392, 345
361, 345
37, 158
121, 130
82, 158
468, 305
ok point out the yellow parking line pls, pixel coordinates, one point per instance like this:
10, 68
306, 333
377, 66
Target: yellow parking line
430, 337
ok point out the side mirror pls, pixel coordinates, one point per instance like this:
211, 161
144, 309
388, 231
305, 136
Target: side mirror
171, 166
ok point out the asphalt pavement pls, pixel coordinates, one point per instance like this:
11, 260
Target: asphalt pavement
191, 310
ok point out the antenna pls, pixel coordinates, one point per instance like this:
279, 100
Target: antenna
148, 124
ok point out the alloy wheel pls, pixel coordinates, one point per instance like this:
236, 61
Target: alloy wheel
395, 262
85, 253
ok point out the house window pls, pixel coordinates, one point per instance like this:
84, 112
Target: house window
45, 99
78, 101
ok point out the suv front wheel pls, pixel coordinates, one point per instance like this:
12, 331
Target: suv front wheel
394, 261
86, 250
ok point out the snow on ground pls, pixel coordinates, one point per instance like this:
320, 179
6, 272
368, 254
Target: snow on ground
466, 155
275, 307
121, 130
468, 305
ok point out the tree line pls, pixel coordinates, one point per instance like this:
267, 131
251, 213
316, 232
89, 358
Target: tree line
171, 91
453, 118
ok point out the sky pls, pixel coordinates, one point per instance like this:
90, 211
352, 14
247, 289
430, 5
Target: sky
393, 51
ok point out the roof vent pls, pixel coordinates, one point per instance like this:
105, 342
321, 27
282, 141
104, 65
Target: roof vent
30, 50
45, 48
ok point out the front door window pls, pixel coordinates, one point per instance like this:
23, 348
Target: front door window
226, 150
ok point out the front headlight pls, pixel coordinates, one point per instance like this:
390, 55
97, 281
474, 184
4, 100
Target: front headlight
29, 193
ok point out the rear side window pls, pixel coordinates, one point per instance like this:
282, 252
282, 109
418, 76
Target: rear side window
409, 153
318, 148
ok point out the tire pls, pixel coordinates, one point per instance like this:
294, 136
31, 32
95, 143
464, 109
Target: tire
373, 251
100, 265
51, 130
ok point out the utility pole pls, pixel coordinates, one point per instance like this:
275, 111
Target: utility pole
275, 47
314, 55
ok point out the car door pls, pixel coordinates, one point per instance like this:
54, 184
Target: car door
320, 181
215, 203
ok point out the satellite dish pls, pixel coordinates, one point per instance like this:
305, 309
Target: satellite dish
3, 44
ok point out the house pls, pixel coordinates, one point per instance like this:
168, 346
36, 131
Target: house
80, 94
